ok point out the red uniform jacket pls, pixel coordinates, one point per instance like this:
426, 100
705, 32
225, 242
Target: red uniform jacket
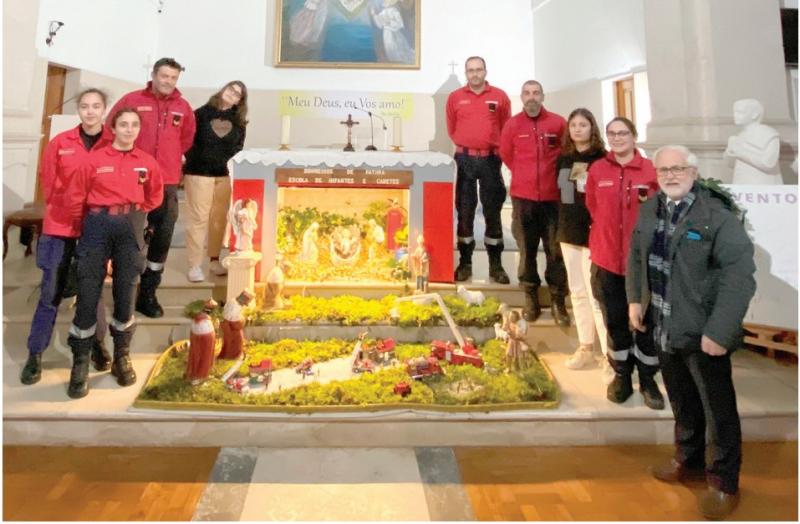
168, 127
530, 148
475, 121
62, 158
613, 195
111, 178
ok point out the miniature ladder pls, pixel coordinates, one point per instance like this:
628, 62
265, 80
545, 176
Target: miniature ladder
445, 312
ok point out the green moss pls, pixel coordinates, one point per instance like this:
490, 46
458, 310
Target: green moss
348, 310
460, 386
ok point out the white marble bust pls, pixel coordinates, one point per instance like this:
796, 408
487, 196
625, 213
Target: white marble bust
754, 152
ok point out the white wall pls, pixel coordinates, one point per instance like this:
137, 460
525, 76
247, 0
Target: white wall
118, 38
23, 92
213, 52
579, 40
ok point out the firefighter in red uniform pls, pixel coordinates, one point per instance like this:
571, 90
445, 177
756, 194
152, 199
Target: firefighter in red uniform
168, 127
116, 186
529, 146
615, 187
56, 247
476, 114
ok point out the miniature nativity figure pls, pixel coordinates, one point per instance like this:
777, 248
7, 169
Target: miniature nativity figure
420, 265
233, 326
202, 343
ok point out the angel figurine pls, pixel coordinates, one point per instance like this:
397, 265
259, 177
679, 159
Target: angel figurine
242, 218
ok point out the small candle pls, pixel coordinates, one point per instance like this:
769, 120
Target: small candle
397, 132
286, 126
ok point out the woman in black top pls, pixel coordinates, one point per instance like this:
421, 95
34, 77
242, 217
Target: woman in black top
221, 125
582, 145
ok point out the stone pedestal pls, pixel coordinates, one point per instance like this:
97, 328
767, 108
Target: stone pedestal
241, 273
704, 55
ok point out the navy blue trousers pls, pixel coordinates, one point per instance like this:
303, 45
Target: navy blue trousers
54, 256
119, 238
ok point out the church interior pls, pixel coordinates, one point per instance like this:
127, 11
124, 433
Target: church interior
347, 166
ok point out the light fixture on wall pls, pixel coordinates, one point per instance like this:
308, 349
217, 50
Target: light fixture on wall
55, 25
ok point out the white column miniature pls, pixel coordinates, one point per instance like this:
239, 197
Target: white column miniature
242, 262
754, 152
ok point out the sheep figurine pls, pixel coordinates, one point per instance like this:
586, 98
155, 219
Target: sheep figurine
472, 298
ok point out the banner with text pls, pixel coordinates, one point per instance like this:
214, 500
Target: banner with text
340, 103
772, 225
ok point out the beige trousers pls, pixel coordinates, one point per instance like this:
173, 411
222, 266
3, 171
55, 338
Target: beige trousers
588, 317
207, 201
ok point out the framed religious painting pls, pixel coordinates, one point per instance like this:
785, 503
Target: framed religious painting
377, 34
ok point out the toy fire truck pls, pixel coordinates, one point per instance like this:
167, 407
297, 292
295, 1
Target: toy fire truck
402, 388
305, 367
421, 367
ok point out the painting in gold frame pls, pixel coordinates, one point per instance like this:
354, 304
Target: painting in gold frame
371, 34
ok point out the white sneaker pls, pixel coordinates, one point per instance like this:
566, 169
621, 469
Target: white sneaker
217, 268
195, 274
606, 372
581, 357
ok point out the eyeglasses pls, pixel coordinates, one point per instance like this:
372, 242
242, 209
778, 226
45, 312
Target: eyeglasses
620, 134
673, 170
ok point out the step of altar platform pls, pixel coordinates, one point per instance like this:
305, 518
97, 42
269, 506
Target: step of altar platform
42, 414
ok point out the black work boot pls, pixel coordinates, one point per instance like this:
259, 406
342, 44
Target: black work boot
464, 269
101, 360
122, 368
653, 398
496, 271
620, 389
79, 376
146, 301
532, 309
32, 371
558, 308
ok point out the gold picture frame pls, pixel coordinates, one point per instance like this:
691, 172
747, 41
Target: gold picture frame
357, 34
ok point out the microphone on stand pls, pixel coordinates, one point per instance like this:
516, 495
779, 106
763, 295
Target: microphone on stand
371, 146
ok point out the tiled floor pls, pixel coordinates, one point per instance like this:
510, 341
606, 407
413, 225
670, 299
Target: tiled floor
394, 484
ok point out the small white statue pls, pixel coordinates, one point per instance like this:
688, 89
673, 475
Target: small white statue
377, 237
754, 152
273, 294
243, 219
310, 252
473, 298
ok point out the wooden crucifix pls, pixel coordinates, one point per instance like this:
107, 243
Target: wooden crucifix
349, 123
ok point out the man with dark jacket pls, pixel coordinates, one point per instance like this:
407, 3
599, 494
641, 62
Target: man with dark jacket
529, 146
691, 263
168, 127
